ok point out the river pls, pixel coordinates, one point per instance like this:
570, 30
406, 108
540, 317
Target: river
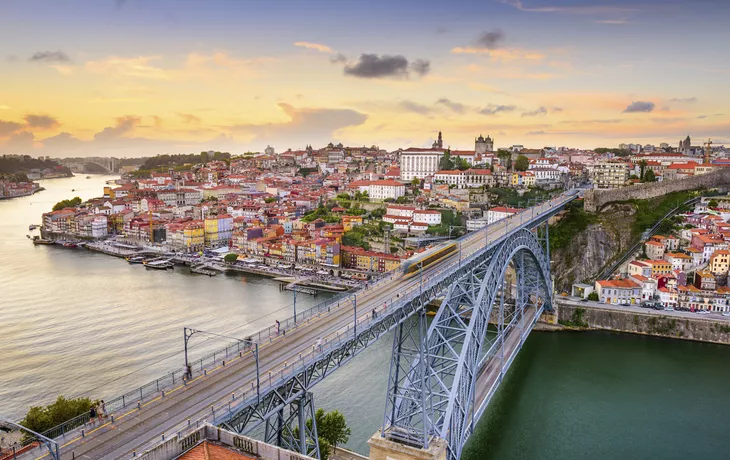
74, 322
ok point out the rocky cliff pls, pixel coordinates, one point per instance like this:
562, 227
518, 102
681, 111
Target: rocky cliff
592, 249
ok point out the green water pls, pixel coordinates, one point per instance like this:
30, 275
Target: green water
609, 396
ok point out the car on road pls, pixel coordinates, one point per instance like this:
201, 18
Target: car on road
726, 313
669, 309
703, 312
625, 305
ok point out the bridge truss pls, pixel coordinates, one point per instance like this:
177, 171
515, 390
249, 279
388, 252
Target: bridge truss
434, 371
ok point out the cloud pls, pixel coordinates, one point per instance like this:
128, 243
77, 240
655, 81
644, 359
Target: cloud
374, 66
589, 9
492, 109
9, 127
539, 111
454, 106
315, 46
639, 106
415, 107
304, 125
490, 40
129, 67
535, 133
612, 21
49, 56
122, 126
61, 141
684, 100
421, 67
41, 121
189, 118
20, 141
64, 69
702, 117
338, 58
501, 54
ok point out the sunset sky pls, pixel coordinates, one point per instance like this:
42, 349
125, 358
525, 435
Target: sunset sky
140, 77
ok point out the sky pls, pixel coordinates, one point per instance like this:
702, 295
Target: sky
142, 77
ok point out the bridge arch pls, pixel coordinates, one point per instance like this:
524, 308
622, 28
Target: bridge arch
434, 393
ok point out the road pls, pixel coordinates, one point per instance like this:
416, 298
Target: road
137, 429
646, 311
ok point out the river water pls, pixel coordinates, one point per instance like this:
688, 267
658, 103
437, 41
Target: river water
74, 322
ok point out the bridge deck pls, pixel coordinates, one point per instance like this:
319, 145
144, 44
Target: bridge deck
137, 429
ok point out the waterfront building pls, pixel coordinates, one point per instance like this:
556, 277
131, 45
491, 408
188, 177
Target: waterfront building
618, 291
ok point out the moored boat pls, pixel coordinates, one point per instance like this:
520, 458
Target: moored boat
135, 260
158, 264
69, 244
39, 240
33, 227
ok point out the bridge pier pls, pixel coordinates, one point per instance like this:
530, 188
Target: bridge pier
382, 448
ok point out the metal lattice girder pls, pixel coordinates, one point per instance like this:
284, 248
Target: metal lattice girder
453, 345
288, 428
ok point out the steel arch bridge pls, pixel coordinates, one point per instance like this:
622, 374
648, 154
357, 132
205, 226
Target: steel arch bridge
433, 375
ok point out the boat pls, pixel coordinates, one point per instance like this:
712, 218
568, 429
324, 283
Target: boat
33, 227
38, 240
69, 244
158, 264
73, 189
135, 260
88, 177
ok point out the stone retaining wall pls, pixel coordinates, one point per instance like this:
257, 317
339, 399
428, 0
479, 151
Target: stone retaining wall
698, 329
595, 199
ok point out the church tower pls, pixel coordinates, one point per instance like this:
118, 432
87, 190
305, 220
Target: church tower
439, 144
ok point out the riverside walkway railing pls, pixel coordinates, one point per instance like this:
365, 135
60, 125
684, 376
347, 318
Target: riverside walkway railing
151, 390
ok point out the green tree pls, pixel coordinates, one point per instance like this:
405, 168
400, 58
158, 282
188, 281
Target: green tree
230, 258
649, 176
72, 203
461, 164
446, 164
633, 177
505, 158
270, 199
40, 418
712, 204
593, 296
642, 169
522, 163
332, 427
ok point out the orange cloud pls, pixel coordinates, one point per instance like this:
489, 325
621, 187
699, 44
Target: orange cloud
131, 67
501, 54
315, 46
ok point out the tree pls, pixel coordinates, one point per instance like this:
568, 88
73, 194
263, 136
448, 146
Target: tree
712, 204
333, 428
633, 177
505, 158
230, 258
593, 296
40, 418
649, 176
522, 163
461, 164
446, 164
269, 199
642, 169
72, 203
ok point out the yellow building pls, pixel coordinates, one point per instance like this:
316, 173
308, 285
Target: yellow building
459, 205
719, 262
211, 230
348, 222
194, 236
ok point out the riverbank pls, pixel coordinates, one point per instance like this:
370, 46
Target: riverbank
710, 328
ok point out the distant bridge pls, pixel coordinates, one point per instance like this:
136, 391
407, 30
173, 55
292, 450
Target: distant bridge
107, 165
441, 378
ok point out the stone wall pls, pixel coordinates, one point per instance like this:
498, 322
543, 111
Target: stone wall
595, 199
699, 329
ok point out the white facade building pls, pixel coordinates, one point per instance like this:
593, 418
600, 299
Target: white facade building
427, 216
499, 213
419, 163
384, 189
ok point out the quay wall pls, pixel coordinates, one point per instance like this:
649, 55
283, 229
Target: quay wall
595, 199
660, 325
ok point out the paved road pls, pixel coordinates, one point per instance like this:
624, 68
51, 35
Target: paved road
136, 429
646, 311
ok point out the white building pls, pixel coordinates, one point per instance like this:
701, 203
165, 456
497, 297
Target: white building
499, 213
456, 178
400, 211
384, 189
419, 163
99, 227
427, 216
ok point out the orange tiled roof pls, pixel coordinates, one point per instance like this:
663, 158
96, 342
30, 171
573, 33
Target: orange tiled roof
209, 451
